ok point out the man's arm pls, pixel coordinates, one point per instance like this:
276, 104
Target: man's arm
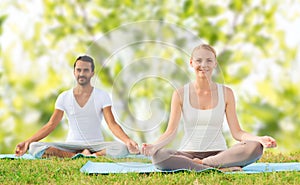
56, 117
118, 131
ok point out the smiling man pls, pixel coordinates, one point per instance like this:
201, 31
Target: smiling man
85, 106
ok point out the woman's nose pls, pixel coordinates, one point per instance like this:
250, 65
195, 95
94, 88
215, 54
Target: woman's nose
203, 64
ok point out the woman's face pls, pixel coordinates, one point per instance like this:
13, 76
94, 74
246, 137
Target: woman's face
203, 61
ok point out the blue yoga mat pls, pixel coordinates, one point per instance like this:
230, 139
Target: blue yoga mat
13, 156
125, 167
28, 156
79, 155
137, 167
271, 167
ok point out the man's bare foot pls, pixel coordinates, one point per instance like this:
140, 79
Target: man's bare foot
100, 153
55, 152
86, 152
231, 169
198, 161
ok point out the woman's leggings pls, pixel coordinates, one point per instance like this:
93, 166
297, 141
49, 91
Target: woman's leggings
239, 155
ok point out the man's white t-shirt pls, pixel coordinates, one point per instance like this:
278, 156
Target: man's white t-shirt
84, 122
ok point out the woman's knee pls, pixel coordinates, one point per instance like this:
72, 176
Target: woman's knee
161, 155
253, 148
158, 154
162, 159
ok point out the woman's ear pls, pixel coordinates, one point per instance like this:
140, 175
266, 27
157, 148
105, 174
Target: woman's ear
191, 62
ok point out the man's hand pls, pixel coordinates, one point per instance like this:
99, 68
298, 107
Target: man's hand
133, 147
21, 148
267, 141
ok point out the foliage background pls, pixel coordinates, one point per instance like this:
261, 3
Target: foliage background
255, 40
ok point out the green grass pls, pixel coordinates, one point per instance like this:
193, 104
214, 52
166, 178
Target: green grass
66, 171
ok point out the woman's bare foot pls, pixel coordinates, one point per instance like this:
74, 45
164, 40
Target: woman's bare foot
231, 169
198, 161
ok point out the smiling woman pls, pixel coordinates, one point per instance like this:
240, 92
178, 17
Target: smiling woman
203, 104
204, 60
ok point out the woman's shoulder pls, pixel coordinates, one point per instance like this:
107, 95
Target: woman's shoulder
179, 91
226, 88
178, 94
228, 93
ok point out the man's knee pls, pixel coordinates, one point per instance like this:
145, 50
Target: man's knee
117, 149
37, 149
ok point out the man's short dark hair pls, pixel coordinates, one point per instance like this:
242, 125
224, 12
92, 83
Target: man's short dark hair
86, 58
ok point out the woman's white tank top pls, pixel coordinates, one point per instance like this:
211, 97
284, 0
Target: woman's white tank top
203, 128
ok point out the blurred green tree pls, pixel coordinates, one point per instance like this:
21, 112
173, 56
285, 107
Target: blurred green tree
245, 35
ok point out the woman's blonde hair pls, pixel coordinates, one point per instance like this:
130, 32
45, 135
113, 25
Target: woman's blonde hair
205, 46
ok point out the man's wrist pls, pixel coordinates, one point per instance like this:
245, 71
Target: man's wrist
127, 141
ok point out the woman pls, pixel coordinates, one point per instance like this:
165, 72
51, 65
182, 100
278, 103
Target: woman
203, 104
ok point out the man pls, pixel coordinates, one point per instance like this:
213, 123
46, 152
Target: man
85, 106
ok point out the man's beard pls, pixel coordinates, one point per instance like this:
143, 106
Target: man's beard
86, 81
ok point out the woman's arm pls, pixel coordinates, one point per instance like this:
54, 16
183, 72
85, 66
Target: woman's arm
235, 129
170, 133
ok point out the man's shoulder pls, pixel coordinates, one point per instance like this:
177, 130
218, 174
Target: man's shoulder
101, 95
99, 91
66, 93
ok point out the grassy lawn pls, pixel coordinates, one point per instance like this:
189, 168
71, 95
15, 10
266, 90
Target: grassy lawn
66, 171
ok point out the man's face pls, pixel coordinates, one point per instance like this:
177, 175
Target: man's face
83, 72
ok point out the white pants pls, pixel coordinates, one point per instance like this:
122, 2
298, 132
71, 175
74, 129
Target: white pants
113, 149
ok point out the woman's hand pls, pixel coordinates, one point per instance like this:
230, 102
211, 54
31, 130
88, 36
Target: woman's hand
267, 141
148, 149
